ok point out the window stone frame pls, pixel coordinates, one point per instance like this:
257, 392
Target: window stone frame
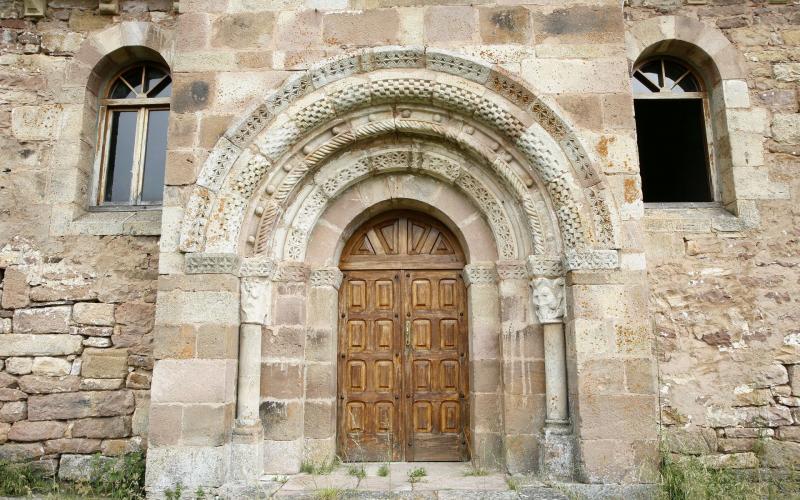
739, 128
100, 56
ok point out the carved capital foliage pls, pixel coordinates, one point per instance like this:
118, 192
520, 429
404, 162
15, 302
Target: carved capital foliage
512, 270
326, 277
479, 274
544, 265
548, 299
256, 295
212, 263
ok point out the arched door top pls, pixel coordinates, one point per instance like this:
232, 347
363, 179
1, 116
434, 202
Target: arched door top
402, 239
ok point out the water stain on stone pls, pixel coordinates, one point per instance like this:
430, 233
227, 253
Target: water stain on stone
199, 92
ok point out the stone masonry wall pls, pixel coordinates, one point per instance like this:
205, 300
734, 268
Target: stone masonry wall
725, 305
76, 307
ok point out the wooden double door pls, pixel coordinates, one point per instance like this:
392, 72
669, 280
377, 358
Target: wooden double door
402, 367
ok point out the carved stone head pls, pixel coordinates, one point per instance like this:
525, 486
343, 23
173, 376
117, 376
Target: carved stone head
548, 299
254, 300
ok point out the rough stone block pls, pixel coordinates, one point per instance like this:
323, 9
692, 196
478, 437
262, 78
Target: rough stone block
102, 428
93, 314
42, 320
786, 128
282, 457
72, 446
12, 395
36, 431
165, 424
246, 30
37, 384
51, 366
15, 289
19, 366
77, 467
39, 345
21, 452
459, 20
80, 405
104, 363
35, 123
13, 411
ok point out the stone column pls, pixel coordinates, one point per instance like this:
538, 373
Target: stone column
557, 450
254, 313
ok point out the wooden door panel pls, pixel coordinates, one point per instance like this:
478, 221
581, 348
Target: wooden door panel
436, 361
402, 366
370, 367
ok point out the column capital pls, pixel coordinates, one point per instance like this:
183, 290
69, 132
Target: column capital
479, 274
254, 300
326, 277
548, 299
540, 266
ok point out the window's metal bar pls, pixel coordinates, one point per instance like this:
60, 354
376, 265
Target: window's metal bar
688, 71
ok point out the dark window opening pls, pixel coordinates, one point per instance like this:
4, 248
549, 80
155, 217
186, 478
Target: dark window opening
672, 150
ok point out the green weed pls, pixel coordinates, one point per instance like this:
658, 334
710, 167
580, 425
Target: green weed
415, 475
383, 470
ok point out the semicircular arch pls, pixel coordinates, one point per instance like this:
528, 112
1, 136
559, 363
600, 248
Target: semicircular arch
530, 133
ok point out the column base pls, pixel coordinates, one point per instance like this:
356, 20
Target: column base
247, 457
557, 451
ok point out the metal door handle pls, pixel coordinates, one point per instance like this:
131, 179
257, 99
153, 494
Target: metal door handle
408, 333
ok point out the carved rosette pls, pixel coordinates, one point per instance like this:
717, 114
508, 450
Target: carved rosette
543, 266
548, 299
254, 300
326, 277
479, 274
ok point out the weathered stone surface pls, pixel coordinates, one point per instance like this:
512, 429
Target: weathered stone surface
786, 128
70, 445
93, 314
104, 363
77, 467
80, 405
12, 395
782, 454
39, 345
42, 320
36, 384
15, 289
101, 384
103, 428
19, 366
51, 366
19, 452
36, 431
13, 411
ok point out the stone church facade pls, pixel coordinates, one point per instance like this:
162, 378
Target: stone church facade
393, 230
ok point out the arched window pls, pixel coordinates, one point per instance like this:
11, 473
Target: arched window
674, 153
133, 132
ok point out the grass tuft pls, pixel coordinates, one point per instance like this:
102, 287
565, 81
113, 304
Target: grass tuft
383, 470
415, 475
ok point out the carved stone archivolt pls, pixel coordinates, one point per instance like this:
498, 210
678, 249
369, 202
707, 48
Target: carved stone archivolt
477, 106
338, 175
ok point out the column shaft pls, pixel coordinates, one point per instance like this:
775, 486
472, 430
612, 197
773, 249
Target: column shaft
555, 369
249, 381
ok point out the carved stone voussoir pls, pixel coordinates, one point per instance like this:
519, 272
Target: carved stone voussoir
479, 274
544, 266
212, 263
591, 259
548, 299
512, 270
326, 277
